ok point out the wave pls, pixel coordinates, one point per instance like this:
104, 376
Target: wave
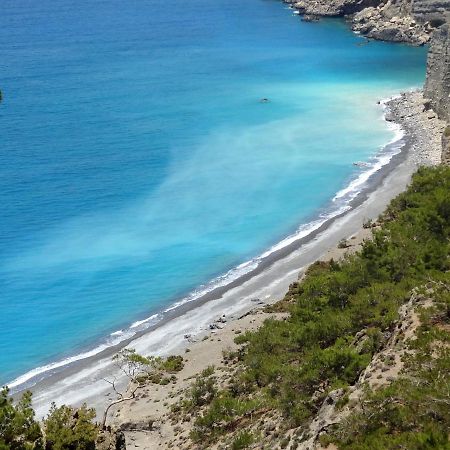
338, 206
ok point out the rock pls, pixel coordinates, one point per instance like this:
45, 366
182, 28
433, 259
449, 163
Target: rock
142, 425
332, 8
310, 18
111, 440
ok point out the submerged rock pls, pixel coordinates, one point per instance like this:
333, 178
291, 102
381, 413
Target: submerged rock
310, 18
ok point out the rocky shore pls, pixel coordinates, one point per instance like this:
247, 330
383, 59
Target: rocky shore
421, 124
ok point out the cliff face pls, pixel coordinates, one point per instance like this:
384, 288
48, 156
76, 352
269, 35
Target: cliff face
397, 21
446, 146
432, 11
437, 86
402, 20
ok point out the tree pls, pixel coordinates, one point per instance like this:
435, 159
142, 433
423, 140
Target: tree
137, 369
67, 428
18, 427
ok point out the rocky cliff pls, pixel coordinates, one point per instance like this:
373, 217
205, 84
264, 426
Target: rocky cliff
333, 8
437, 86
446, 146
402, 20
392, 21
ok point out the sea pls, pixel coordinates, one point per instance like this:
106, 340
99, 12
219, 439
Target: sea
151, 151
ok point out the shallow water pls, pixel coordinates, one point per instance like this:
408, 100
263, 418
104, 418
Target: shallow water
137, 162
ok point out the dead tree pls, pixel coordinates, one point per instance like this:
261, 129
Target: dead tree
137, 369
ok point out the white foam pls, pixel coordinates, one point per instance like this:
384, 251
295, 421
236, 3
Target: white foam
354, 188
51, 367
146, 321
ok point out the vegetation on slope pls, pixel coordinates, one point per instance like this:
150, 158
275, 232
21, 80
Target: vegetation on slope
64, 428
413, 412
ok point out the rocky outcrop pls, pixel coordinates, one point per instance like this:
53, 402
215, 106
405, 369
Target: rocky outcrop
409, 21
110, 440
392, 21
333, 8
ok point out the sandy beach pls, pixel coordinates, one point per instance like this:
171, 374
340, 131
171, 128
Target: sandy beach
239, 304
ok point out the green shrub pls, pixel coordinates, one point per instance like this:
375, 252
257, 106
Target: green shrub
172, 364
413, 412
220, 415
243, 440
204, 388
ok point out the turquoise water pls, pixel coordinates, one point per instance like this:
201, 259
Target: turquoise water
137, 162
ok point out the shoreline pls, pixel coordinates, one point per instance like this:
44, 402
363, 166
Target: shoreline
84, 379
363, 182
348, 198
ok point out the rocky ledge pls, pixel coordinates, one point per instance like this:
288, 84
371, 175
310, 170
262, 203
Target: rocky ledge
383, 24
334, 8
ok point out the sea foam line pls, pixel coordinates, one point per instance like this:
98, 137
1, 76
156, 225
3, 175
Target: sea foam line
382, 158
341, 204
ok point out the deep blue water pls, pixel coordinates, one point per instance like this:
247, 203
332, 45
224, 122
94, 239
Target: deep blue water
137, 163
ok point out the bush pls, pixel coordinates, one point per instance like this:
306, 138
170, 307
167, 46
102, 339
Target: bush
413, 412
220, 415
204, 388
172, 364
243, 440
